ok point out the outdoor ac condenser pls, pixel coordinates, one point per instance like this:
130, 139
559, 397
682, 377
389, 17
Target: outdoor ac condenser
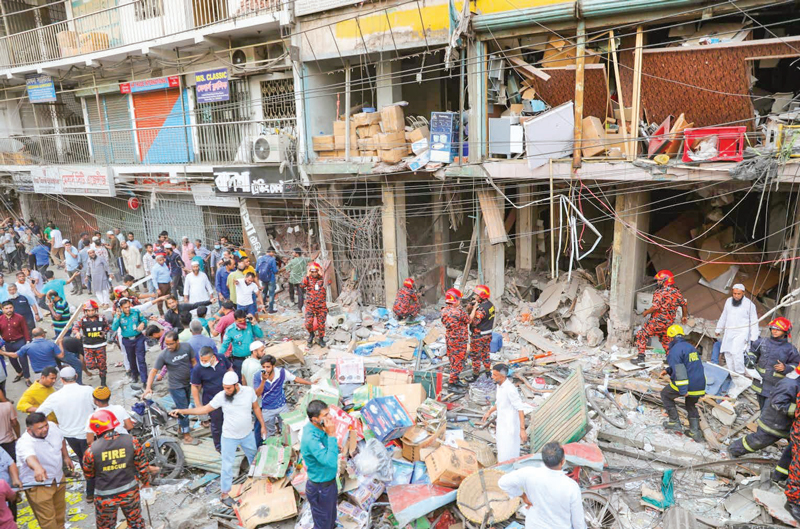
269, 148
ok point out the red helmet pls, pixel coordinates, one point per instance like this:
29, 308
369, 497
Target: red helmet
315, 266
102, 421
483, 291
452, 296
120, 289
90, 305
409, 282
666, 276
782, 324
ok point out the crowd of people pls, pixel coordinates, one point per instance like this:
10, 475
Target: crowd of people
199, 309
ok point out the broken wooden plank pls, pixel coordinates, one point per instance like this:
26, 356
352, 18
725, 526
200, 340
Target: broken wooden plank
540, 342
492, 210
563, 417
774, 504
526, 70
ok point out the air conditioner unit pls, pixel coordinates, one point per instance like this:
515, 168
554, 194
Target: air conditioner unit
270, 148
247, 59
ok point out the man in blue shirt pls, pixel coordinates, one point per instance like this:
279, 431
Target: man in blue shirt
198, 340
72, 261
42, 254
221, 281
161, 279
320, 451
41, 353
207, 376
3, 289
132, 241
131, 323
266, 268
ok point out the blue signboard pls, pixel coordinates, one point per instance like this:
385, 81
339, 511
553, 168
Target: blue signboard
212, 85
40, 89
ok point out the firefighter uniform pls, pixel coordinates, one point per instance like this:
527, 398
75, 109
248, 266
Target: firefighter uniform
456, 324
774, 424
793, 479
666, 300
406, 304
481, 325
118, 464
93, 331
687, 379
316, 308
765, 353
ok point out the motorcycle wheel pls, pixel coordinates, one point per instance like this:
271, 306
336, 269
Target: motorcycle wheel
170, 459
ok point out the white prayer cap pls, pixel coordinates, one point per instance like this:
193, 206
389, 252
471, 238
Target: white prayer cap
738, 286
230, 378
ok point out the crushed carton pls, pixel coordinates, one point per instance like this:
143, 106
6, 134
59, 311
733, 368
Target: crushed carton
366, 494
265, 503
411, 396
272, 460
448, 466
431, 414
351, 516
345, 424
419, 161
293, 423
386, 418
416, 439
363, 119
286, 353
364, 394
392, 119
402, 472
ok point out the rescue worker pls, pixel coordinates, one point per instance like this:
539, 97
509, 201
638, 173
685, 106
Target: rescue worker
773, 358
687, 379
116, 462
456, 334
774, 424
793, 479
406, 304
93, 329
666, 300
481, 322
315, 304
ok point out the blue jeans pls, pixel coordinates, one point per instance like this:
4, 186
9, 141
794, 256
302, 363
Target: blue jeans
181, 399
248, 444
271, 294
715, 351
250, 309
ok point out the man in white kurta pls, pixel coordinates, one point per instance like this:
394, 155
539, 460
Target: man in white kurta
552, 498
196, 286
738, 326
132, 260
510, 416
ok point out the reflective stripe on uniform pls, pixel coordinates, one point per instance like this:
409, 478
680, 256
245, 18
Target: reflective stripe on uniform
745, 445
755, 388
682, 383
698, 393
781, 470
772, 431
791, 410
111, 492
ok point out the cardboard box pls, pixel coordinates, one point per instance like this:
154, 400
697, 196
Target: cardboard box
419, 161
366, 118
386, 418
365, 494
390, 140
447, 466
411, 396
416, 439
345, 424
286, 353
323, 143
421, 133
392, 119
393, 155
594, 136
339, 128
293, 423
420, 146
368, 154
281, 503
390, 377
350, 370
272, 461
94, 42
368, 131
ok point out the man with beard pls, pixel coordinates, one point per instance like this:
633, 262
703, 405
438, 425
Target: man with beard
99, 277
238, 404
666, 300
739, 323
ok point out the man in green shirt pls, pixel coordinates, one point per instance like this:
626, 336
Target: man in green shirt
297, 266
320, 451
131, 323
232, 277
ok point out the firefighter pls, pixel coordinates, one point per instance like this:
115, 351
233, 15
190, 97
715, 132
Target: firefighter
687, 380
481, 323
456, 325
773, 358
116, 462
315, 305
666, 300
406, 304
793, 478
92, 330
774, 424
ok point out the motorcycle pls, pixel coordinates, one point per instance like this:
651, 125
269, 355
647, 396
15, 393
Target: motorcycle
161, 450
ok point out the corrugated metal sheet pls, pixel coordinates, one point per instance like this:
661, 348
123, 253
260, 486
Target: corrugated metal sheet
163, 115
111, 136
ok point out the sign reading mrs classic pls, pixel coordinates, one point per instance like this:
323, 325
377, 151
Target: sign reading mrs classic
212, 85
253, 181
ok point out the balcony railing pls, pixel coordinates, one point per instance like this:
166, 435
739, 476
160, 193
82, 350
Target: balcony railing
209, 143
133, 22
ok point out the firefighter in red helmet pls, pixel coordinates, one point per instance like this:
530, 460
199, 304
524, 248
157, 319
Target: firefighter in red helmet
666, 300
456, 325
481, 323
315, 307
773, 357
406, 304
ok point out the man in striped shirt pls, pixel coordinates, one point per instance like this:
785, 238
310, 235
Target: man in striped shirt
59, 310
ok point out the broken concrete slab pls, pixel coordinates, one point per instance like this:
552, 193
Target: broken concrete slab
774, 502
549, 300
741, 507
725, 418
536, 339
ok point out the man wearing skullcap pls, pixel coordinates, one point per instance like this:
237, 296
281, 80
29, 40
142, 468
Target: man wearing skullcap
738, 326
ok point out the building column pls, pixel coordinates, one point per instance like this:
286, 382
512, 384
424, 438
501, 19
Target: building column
441, 234
326, 245
388, 91
493, 262
526, 228
627, 264
255, 231
25, 208
393, 260
402, 231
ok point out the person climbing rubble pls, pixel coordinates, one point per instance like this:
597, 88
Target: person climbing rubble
774, 424
316, 308
456, 325
687, 379
772, 358
406, 304
481, 317
666, 300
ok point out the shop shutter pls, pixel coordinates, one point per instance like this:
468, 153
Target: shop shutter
111, 131
179, 216
114, 213
165, 138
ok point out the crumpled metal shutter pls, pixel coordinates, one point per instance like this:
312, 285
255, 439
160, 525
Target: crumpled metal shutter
160, 122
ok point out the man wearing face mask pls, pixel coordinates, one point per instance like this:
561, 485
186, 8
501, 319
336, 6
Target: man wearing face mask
238, 338
207, 378
316, 307
320, 451
738, 325
214, 259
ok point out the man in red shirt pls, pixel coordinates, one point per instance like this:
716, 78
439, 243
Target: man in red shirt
15, 333
225, 321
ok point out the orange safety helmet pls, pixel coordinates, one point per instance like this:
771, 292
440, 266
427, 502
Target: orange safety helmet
452, 296
409, 282
782, 324
314, 266
102, 421
483, 291
90, 305
666, 276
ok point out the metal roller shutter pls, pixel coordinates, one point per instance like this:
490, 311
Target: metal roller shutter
163, 116
112, 136
179, 216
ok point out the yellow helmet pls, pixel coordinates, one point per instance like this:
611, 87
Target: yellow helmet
674, 330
